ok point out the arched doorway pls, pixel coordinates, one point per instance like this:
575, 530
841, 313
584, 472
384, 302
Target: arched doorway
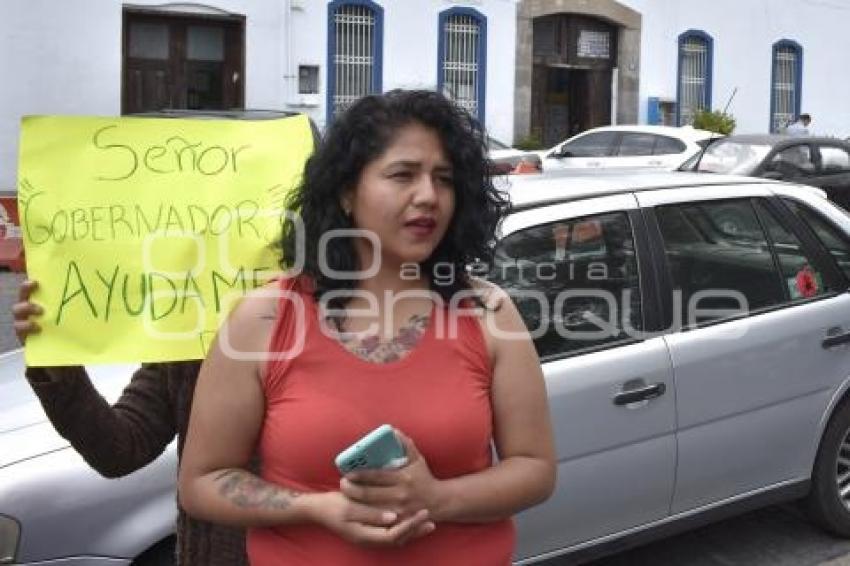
577, 67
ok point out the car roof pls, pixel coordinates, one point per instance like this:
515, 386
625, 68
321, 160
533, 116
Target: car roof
685, 132
774, 139
233, 114
530, 191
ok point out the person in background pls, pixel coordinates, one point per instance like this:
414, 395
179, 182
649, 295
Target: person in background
306, 367
525, 167
800, 127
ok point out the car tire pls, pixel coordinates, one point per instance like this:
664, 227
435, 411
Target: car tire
162, 553
824, 502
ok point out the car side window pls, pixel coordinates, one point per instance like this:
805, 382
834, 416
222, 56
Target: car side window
719, 260
802, 279
834, 160
832, 238
597, 144
634, 144
575, 282
793, 162
665, 145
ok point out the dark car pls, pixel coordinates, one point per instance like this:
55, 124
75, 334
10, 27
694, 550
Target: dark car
817, 161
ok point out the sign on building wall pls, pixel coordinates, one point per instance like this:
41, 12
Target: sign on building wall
594, 44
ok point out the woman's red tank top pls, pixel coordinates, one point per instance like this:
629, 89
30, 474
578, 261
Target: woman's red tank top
320, 398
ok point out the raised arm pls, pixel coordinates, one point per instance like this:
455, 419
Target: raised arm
114, 440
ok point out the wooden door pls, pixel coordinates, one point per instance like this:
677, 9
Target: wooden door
184, 62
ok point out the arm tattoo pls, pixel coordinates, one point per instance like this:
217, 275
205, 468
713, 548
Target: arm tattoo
244, 489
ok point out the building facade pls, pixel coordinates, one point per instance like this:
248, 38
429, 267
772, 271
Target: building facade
585, 63
541, 68
312, 56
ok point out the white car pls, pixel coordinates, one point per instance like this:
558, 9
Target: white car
652, 147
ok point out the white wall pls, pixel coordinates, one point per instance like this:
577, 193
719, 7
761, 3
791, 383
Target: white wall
744, 33
55, 58
410, 51
65, 58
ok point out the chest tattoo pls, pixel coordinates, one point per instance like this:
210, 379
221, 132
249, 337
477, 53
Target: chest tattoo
372, 349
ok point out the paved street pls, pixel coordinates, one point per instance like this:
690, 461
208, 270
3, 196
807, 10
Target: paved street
775, 536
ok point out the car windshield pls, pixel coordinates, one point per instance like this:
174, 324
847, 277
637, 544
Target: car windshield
732, 157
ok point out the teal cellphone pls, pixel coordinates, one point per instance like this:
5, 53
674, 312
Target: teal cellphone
380, 449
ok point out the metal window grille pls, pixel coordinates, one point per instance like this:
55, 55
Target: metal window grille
354, 55
694, 78
784, 87
461, 37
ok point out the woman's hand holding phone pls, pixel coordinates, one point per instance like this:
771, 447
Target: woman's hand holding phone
406, 490
367, 525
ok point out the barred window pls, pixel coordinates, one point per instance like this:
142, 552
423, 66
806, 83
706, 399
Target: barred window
462, 44
355, 63
785, 88
695, 62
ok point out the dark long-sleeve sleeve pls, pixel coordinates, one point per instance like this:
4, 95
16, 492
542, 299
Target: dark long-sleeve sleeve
115, 440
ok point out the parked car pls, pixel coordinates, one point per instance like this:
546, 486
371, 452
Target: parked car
654, 147
694, 332
54, 509
817, 161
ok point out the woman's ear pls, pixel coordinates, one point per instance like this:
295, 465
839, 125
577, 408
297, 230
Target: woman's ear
345, 203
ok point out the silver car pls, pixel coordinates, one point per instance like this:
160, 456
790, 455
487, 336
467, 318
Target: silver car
56, 510
694, 333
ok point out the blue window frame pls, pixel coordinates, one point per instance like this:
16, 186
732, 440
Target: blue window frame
462, 58
694, 75
355, 52
786, 83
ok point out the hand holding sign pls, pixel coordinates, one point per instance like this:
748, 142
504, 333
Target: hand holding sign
141, 230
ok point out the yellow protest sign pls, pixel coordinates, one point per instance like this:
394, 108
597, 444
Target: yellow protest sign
140, 231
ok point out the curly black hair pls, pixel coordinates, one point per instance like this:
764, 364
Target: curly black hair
362, 134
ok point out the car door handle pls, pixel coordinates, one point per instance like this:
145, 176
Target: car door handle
642, 394
593, 163
837, 340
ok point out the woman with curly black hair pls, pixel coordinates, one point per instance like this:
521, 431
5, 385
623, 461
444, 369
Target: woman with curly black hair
378, 321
